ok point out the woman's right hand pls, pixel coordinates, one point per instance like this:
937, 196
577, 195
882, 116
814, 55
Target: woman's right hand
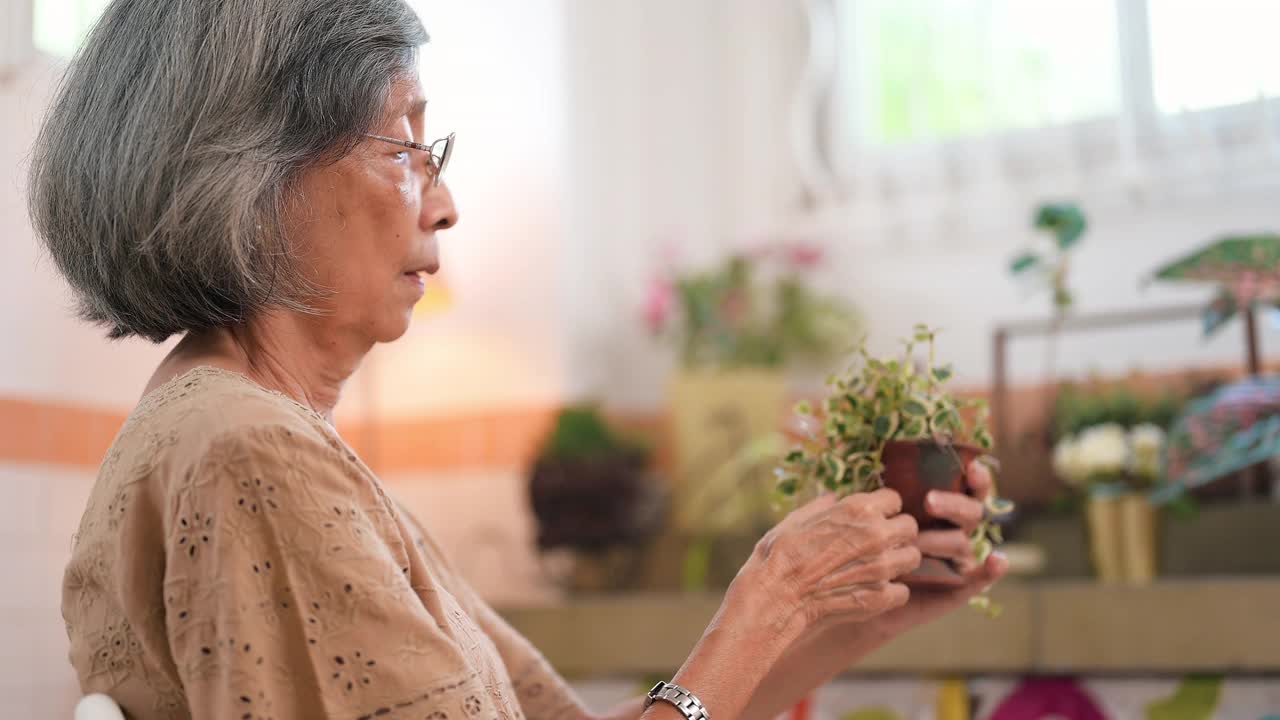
835, 561
831, 562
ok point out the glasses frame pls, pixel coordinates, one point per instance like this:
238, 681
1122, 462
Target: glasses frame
436, 161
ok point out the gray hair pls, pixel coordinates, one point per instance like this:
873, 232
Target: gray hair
159, 180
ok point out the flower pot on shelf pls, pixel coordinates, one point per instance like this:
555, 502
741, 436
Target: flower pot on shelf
1102, 514
716, 416
1123, 536
1139, 521
914, 468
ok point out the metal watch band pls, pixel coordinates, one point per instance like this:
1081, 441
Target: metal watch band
686, 702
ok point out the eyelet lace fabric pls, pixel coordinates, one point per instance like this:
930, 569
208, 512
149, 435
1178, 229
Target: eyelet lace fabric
237, 560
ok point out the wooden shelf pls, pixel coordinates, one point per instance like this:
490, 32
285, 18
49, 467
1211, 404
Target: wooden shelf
1203, 625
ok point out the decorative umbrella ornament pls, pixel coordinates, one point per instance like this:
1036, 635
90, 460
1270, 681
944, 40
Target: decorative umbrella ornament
1221, 434
1247, 270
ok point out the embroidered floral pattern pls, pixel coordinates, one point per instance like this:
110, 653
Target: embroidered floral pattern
237, 560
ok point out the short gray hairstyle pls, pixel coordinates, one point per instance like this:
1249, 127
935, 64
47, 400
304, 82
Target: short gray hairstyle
161, 174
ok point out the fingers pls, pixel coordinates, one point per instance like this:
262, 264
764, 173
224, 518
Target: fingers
979, 479
814, 507
982, 577
949, 544
882, 568
901, 530
883, 502
995, 568
959, 509
860, 603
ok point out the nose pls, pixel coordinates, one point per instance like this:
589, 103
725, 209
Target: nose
438, 212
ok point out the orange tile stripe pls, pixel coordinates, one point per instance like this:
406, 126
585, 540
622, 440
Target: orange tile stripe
33, 431
42, 432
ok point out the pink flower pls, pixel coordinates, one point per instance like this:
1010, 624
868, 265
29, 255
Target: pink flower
804, 257
658, 304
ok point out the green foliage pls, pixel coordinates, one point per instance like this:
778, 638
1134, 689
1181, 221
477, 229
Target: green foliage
1076, 408
876, 401
1066, 222
581, 432
1066, 225
1024, 262
735, 316
879, 400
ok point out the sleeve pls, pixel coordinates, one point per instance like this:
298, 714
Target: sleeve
284, 599
542, 692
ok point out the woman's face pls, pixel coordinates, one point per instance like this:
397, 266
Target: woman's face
367, 225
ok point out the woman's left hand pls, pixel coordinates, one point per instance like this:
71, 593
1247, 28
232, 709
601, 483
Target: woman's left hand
965, 511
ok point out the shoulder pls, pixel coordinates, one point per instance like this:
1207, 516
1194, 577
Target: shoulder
213, 431
208, 405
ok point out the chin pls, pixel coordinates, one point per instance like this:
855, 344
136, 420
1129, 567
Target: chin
393, 328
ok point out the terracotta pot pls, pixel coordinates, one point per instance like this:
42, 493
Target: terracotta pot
914, 468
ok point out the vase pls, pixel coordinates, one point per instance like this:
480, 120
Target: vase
717, 417
1139, 522
1102, 512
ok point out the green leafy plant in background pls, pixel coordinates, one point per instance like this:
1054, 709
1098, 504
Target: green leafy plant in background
1112, 436
877, 401
754, 310
581, 432
1076, 408
591, 492
1050, 267
1065, 224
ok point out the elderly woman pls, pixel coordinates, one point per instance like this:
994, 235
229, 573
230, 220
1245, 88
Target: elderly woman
253, 176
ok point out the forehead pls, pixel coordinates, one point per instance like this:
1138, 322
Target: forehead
406, 98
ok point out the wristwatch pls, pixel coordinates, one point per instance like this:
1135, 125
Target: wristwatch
686, 702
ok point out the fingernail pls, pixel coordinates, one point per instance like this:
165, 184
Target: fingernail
932, 497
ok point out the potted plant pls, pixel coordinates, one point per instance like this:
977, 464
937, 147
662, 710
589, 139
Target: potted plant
1115, 467
592, 493
890, 422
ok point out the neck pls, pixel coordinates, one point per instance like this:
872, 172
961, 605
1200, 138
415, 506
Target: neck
301, 356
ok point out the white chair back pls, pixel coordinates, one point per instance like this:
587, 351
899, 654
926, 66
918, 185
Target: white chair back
98, 707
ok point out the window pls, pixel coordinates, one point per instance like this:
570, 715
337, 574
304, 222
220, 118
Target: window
938, 69
917, 71
1209, 53
61, 25
928, 115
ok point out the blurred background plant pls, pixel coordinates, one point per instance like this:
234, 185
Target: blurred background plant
1048, 267
756, 309
1109, 436
1111, 454
1078, 406
592, 492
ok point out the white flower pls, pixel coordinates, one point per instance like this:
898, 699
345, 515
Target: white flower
1104, 449
1067, 462
1146, 441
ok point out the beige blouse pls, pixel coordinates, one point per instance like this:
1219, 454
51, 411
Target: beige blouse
237, 560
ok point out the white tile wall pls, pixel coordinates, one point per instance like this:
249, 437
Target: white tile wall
39, 510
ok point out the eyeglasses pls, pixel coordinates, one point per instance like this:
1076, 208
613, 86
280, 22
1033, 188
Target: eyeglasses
437, 161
